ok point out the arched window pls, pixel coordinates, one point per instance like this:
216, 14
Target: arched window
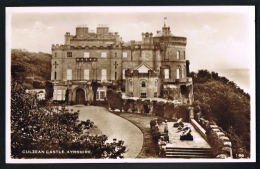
143, 84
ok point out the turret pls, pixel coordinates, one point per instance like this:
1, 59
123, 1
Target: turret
67, 38
102, 30
147, 38
166, 31
81, 32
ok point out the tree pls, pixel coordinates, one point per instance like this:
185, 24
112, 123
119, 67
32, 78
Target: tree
16, 71
95, 86
49, 89
221, 100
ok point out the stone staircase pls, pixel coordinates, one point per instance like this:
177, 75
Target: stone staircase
173, 152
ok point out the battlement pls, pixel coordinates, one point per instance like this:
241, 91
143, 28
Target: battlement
136, 73
57, 46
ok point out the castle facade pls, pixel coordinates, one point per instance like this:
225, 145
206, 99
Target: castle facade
155, 67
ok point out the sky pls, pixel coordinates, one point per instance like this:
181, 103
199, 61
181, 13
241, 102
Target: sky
217, 38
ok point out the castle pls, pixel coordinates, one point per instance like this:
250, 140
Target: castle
155, 67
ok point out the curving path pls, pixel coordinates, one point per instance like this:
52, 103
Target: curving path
114, 127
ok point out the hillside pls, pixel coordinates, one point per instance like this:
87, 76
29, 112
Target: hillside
33, 66
225, 103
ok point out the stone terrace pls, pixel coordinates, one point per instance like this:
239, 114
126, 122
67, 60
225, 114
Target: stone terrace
174, 138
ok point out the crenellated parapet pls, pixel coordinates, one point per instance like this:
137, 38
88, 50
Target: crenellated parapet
58, 47
136, 73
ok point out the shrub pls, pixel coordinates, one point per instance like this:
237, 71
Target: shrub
114, 100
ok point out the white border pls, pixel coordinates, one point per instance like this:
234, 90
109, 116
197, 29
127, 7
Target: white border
232, 9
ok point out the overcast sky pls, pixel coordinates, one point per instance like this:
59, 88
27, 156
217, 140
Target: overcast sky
215, 40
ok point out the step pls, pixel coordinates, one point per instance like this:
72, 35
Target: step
189, 156
182, 152
186, 153
187, 150
183, 148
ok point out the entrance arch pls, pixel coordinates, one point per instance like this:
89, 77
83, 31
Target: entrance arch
80, 96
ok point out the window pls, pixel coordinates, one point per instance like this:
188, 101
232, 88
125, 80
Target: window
115, 75
55, 75
183, 54
69, 74
103, 75
178, 55
103, 54
167, 53
124, 54
158, 54
102, 95
86, 54
69, 54
86, 74
143, 84
55, 54
183, 72
123, 73
59, 95
155, 94
177, 73
78, 74
143, 95
115, 54
130, 82
166, 74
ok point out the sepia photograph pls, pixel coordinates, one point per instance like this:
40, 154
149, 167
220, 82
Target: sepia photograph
130, 84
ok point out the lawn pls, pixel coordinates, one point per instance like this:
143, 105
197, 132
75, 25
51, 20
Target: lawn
149, 149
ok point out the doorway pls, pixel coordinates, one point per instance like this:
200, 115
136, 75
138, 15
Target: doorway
80, 96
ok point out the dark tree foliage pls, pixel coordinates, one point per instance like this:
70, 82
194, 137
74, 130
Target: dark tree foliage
225, 103
38, 84
48, 128
95, 86
114, 100
48, 89
30, 65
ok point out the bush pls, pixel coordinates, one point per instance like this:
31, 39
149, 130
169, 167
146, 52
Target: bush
158, 109
182, 111
114, 100
169, 111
